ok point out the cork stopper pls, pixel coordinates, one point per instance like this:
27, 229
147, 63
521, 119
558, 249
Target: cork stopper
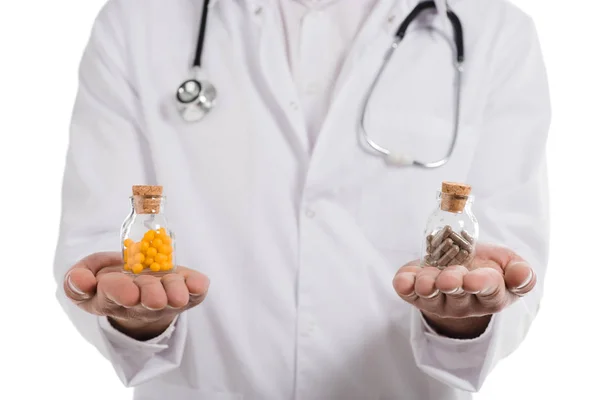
454, 196
147, 198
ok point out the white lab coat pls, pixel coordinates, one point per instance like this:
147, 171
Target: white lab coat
301, 247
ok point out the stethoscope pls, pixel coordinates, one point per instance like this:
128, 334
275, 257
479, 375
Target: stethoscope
196, 97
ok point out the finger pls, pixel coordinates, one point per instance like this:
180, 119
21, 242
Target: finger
115, 290
425, 283
409, 268
152, 293
457, 301
488, 284
520, 278
450, 280
404, 284
196, 282
95, 262
108, 270
482, 281
413, 263
176, 290
499, 255
80, 281
79, 284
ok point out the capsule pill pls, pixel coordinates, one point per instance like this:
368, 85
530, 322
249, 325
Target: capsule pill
461, 242
467, 237
430, 261
428, 240
436, 255
460, 258
451, 232
442, 249
450, 254
441, 236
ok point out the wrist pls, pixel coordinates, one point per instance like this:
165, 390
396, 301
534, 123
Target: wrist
141, 330
458, 328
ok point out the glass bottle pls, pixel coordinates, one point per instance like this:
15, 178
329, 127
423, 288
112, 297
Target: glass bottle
147, 243
452, 231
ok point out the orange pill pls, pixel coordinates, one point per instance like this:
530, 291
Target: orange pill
139, 258
162, 231
160, 258
144, 246
155, 267
128, 242
149, 236
151, 252
166, 266
125, 256
156, 243
165, 249
136, 247
166, 239
126, 267
148, 261
137, 268
170, 257
130, 251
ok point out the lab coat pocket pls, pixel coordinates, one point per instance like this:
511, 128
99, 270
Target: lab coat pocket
396, 201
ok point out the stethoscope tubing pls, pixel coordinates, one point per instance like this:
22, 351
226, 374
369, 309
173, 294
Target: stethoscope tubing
202, 97
401, 159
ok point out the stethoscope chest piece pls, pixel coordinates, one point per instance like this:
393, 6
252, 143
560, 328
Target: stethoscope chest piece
195, 98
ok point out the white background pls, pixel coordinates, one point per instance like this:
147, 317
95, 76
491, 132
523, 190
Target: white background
42, 355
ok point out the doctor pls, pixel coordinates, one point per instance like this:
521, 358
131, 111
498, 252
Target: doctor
306, 233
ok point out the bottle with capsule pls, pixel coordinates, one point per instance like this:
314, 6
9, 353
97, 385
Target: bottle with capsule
452, 230
147, 243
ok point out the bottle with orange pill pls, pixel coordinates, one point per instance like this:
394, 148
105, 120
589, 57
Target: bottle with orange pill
147, 243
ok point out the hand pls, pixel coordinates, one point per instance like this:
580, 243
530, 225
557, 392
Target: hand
458, 302
140, 306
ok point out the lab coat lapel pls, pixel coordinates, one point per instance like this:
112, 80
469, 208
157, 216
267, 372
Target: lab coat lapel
364, 39
333, 150
362, 64
274, 69
387, 16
